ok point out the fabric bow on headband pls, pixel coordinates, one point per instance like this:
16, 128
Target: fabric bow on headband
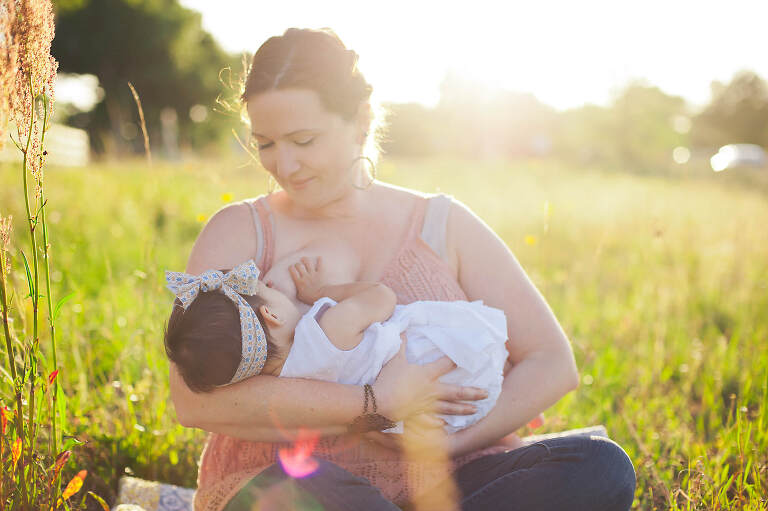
242, 280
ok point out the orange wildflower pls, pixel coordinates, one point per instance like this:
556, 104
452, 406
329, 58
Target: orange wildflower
61, 460
16, 452
4, 419
73, 487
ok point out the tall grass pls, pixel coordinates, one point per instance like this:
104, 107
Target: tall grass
31, 453
662, 286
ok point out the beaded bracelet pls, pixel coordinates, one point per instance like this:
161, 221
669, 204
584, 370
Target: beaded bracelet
370, 421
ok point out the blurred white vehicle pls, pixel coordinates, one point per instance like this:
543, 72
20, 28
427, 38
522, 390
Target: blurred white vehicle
739, 155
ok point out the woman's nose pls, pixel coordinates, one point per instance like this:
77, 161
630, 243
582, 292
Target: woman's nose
286, 162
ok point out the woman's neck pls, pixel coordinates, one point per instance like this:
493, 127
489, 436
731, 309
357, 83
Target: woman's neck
351, 204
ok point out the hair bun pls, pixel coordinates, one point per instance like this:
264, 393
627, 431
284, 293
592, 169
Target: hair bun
315, 59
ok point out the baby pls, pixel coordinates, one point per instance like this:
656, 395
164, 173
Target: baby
232, 326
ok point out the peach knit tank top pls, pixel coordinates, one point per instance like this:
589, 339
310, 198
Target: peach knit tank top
417, 272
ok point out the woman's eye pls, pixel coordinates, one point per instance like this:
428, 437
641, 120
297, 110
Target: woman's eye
305, 142
264, 146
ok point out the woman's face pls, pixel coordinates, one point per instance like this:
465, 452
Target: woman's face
308, 149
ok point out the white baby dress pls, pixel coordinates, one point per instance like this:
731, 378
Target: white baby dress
469, 333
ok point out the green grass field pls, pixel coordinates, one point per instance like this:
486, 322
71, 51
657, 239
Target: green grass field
661, 285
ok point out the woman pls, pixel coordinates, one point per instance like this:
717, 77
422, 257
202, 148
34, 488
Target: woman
311, 118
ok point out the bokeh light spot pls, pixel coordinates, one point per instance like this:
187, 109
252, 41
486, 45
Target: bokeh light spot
681, 155
297, 460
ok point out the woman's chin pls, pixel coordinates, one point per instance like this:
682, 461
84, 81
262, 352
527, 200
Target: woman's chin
314, 196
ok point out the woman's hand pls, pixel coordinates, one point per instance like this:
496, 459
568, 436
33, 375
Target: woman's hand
403, 389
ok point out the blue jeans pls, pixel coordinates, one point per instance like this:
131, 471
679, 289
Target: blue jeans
569, 473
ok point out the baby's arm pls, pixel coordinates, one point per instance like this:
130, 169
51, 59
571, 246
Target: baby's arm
359, 303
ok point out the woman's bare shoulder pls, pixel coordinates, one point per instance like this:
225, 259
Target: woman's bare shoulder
399, 194
227, 239
393, 189
469, 239
461, 219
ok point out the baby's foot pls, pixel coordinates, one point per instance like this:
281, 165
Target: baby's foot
310, 278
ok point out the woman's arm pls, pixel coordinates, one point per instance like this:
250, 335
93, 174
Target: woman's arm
543, 369
260, 407
266, 408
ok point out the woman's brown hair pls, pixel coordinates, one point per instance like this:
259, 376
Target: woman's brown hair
310, 59
315, 60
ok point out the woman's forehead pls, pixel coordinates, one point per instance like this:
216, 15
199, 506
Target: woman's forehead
279, 113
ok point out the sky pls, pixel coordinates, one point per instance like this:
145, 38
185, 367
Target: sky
566, 53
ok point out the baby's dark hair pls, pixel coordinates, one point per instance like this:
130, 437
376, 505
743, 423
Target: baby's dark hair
205, 340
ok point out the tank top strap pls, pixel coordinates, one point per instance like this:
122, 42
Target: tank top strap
433, 230
264, 227
417, 219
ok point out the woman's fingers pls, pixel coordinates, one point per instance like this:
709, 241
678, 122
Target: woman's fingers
307, 264
455, 393
451, 408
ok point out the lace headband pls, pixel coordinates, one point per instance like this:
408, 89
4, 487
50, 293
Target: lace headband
242, 280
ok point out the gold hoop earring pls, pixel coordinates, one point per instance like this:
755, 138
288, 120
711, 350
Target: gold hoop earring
371, 173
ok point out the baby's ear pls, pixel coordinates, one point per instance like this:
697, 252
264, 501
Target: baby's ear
270, 317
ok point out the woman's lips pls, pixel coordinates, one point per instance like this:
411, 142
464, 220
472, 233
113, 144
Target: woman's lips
298, 185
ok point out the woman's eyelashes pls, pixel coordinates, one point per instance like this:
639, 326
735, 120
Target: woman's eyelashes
304, 142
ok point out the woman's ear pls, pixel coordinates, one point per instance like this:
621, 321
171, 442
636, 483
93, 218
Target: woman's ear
270, 317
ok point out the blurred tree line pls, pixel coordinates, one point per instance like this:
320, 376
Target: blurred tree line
161, 48
175, 65
639, 130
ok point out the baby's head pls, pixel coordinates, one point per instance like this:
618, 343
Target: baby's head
205, 340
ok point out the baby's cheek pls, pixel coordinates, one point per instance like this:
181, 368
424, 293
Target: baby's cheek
284, 283
281, 281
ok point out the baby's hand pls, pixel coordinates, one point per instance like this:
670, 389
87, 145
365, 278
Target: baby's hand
309, 278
